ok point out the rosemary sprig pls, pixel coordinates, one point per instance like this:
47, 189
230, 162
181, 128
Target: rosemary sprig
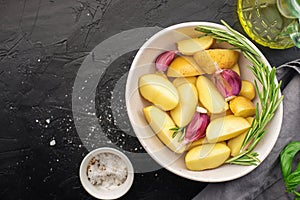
178, 130
268, 96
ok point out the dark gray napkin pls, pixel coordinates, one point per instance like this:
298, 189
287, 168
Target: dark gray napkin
266, 181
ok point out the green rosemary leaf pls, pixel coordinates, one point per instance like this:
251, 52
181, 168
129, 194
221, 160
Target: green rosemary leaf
176, 130
257, 89
183, 131
277, 103
243, 163
174, 134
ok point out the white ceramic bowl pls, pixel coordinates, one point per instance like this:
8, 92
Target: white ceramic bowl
99, 192
143, 64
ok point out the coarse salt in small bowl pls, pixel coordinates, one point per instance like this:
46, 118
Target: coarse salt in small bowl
106, 173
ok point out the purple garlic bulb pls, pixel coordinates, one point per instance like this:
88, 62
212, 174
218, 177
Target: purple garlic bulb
197, 127
163, 61
228, 82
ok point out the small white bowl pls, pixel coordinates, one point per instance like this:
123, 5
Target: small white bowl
99, 192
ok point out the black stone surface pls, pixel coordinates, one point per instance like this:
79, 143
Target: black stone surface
42, 45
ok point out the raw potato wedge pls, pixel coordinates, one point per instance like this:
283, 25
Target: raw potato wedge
161, 123
183, 113
198, 143
225, 128
225, 58
218, 115
161, 74
250, 119
247, 90
158, 90
235, 144
184, 66
214, 116
207, 156
242, 107
182, 80
191, 46
209, 96
236, 68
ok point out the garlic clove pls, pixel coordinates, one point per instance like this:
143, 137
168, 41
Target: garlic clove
197, 127
163, 61
228, 82
230, 98
200, 109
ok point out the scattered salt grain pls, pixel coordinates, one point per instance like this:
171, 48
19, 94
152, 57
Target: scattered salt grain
52, 142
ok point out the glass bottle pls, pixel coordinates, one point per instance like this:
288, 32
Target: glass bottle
271, 23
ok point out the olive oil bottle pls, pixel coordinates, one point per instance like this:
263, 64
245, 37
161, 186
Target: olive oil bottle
271, 23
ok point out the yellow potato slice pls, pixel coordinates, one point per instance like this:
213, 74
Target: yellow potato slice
183, 113
207, 156
242, 107
191, 46
158, 90
225, 128
161, 123
182, 80
236, 68
209, 96
184, 66
235, 144
250, 119
225, 58
247, 90
197, 143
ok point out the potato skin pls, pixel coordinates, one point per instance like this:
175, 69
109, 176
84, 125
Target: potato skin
207, 156
235, 144
236, 68
242, 107
184, 66
247, 90
225, 58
